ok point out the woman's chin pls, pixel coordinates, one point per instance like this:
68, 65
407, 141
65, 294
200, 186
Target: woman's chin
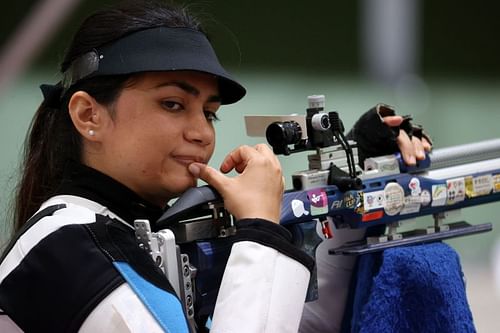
182, 186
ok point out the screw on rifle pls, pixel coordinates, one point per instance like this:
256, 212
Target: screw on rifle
158, 261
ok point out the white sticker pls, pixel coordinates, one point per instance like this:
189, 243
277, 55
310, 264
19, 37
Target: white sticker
496, 183
298, 208
425, 197
455, 190
438, 195
414, 186
482, 185
394, 198
374, 200
411, 205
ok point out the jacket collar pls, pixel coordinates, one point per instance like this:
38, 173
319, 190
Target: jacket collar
86, 182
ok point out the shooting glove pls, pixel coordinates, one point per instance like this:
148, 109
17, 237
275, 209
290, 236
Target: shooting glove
375, 138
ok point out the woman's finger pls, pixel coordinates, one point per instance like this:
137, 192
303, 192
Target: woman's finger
237, 159
392, 121
426, 144
267, 152
407, 148
419, 148
210, 175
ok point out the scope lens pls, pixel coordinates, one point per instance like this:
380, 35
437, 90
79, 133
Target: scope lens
320, 121
280, 134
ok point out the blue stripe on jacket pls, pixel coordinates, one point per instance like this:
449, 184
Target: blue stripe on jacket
165, 307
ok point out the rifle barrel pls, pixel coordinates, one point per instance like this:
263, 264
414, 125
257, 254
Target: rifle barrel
466, 153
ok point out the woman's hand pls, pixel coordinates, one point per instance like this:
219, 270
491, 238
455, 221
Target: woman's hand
258, 189
379, 131
411, 149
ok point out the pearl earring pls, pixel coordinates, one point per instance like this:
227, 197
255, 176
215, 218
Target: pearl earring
91, 132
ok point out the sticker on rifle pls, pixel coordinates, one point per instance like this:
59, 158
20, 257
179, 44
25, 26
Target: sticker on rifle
360, 207
411, 205
354, 200
479, 185
425, 198
319, 201
496, 183
394, 198
298, 208
374, 200
376, 215
350, 200
414, 186
337, 204
455, 189
438, 195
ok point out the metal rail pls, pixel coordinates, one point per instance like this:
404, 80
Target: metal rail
466, 153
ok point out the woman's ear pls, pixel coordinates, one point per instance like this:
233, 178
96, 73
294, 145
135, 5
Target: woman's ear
88, 116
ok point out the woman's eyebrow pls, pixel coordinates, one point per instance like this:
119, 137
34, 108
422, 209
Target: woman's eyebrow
190, 89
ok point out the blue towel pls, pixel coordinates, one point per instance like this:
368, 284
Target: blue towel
411, 289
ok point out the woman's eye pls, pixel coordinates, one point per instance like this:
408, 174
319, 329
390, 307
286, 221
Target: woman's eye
211, 116
171, 105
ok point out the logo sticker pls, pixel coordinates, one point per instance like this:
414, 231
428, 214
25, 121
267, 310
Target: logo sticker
496, 183
425, 197
319, 201
414, 186
455, 190
438, 195
374, 200
354, 199
360, 208
411, 205
479, 185
349, 200
394, 198
298, 208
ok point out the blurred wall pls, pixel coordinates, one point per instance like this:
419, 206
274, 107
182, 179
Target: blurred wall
316, 36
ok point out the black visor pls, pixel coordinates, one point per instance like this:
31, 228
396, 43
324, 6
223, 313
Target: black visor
156, 49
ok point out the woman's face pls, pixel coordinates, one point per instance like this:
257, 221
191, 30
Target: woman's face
161, 124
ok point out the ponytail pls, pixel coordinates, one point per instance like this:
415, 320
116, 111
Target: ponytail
52, 141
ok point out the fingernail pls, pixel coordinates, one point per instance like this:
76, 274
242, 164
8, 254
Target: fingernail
194, 169
412, 160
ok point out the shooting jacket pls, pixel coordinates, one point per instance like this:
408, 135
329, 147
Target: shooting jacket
64, 270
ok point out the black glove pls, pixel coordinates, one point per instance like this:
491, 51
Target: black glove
375, 138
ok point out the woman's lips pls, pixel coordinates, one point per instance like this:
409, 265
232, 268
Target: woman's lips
186, 160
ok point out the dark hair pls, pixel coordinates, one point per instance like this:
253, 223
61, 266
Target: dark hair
52, 139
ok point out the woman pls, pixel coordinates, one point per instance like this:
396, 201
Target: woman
129, 127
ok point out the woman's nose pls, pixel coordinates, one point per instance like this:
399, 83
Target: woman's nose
199, 129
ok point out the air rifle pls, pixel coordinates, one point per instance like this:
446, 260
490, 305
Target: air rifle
192, 245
